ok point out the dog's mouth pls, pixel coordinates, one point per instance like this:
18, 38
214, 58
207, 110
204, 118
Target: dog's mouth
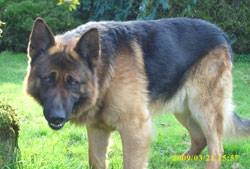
56, 126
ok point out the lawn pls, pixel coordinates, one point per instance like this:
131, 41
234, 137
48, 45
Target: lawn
41, 147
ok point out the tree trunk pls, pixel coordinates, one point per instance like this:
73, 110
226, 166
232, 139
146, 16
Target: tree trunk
8, 145
9, 129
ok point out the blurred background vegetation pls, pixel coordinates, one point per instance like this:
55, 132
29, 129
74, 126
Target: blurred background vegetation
232, 16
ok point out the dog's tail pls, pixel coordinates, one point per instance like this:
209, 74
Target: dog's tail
236, 127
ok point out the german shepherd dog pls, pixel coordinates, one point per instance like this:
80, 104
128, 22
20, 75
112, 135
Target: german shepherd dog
112, 75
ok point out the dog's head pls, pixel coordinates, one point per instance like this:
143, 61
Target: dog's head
61, 75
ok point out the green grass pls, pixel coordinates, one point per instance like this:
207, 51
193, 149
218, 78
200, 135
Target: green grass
42, 147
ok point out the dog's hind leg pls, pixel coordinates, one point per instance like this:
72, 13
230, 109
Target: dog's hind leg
98, 139
208, 88
198, 140
211, 122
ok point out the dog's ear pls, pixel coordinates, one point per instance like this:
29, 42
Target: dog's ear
41, 38
88, 47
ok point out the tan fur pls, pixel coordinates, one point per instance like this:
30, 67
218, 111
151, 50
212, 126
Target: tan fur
207, 91
131, 119
30, 82
127, 95
54, 49
74, 54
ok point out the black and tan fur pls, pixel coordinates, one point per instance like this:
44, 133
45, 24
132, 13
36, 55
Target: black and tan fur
114, 75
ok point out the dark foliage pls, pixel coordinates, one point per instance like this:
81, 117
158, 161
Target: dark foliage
232, 16
19, 16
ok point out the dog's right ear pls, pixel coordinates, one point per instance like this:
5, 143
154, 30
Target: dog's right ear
41, 38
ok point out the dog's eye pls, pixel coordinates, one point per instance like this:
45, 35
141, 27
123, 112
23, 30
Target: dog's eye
72, 82
47, 80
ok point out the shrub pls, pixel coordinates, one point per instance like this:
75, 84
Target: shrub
20, 15
232, 16
9, 129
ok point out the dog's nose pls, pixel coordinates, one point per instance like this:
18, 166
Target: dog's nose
57, 118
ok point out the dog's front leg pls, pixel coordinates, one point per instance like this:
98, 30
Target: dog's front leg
98, 139
136, 138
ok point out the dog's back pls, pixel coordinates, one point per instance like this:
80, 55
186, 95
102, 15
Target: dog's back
170, 47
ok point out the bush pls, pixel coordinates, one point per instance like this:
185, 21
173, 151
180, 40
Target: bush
20, 15
232, 16
9, 129
8, 117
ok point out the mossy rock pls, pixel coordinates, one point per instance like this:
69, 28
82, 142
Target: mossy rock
9, 129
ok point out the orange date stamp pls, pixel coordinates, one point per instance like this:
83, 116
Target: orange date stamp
204, 157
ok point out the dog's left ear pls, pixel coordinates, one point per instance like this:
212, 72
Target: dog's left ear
88, 47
